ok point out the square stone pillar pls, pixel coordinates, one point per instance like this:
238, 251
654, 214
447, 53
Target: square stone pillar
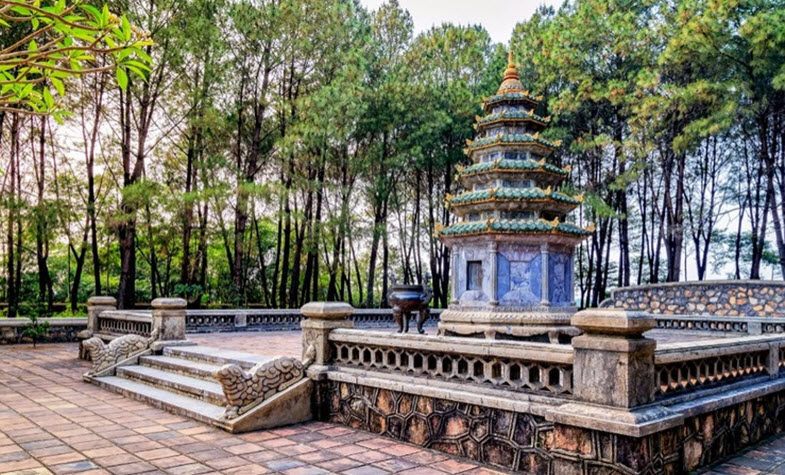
454, 290
493, 253
545, 298
169, 319
613, 376
614, 362
320, 318
96, 305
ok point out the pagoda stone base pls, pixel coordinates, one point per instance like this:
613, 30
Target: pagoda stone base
545, 324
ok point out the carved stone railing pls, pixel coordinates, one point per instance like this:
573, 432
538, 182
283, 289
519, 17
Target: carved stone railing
519, 366
223, 320
772, 325
690, 366
167, 316
702, 324
123, 322
719, 324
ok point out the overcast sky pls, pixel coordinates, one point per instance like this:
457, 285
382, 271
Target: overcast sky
497, 16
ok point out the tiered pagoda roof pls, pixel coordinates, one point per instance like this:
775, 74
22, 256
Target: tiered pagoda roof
510, 175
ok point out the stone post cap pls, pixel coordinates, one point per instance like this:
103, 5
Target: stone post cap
613, 321
101, 300
166, 303
327, 310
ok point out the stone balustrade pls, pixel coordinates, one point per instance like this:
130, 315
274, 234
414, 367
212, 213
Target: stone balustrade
119, 322
222, 320
519, 366
682, 367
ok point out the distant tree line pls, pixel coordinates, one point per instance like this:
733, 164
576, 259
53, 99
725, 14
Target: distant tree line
281, 151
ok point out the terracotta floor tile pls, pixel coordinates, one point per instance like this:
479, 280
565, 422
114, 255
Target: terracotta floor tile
227, 462
104, 451
366, 470
156, 454
132, 468
246, 448
453, 466
340, 464
118, 459
79, 466
253, 469
370, 456
175, 461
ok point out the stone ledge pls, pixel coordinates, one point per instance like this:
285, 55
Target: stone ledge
743, 392
165, 303
638, 422
545, 316
102, 301
613, 321
327, 310
53, 322
488, 397
646, 420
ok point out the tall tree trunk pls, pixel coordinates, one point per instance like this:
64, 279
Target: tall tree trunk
12, 289
45, 291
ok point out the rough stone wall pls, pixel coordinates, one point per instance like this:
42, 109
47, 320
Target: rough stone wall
58, 333
529, 443
720, 298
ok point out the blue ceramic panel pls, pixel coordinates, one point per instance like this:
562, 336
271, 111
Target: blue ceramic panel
536, 277
502, 276
519, 280
560, 279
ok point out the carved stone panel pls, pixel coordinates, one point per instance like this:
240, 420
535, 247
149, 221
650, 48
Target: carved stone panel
473, 254
560, 279
519, 277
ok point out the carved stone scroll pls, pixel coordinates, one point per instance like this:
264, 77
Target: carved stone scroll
247, 389
105, 356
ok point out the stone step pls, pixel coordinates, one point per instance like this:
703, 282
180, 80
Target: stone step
194, 369
209, 391
163, 399
215, 356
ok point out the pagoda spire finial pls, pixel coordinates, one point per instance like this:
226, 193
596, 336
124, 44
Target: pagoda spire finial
511, 73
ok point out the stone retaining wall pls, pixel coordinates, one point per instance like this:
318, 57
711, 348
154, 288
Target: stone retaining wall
61, 330
530, 444
727, 298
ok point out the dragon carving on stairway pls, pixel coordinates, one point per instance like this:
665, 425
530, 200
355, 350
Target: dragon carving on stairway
247, 389
107, 355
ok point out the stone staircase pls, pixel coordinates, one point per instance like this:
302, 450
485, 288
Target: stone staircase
180, 381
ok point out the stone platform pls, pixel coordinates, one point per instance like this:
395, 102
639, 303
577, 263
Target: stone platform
51, 422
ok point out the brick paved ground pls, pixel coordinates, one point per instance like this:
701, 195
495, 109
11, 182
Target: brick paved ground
765, 458
52, 422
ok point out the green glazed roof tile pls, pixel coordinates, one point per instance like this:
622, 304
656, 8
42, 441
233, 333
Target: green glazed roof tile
509, 164
513, 226
512, 194
509, 138
511, 96
519, 114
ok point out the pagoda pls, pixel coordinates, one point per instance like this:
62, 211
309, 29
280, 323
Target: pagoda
512, 246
